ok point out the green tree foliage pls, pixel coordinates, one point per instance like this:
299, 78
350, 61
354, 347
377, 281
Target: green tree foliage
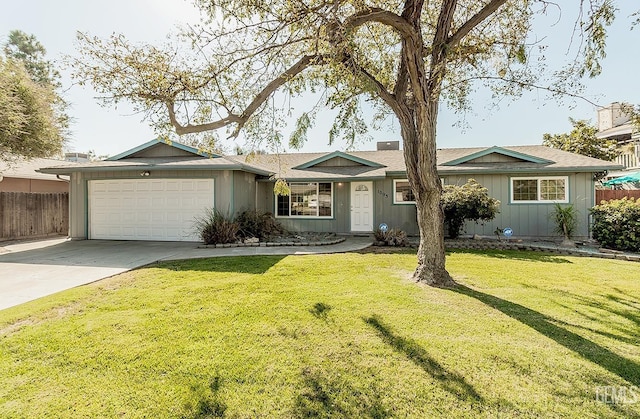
403, 58
469, 202
582, 140
616, 224
28, 123
32, 54
33, 121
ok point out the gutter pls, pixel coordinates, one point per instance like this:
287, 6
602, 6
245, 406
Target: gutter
69, 170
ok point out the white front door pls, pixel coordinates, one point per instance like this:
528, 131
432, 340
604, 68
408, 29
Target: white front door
362, 206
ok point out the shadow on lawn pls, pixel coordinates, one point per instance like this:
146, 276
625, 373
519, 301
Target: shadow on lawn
323, 397
523, 255
255, 265
320, 310
612, 362
208, 403
451, 381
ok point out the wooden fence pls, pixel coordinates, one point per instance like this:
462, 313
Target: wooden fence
24, 215
607, 194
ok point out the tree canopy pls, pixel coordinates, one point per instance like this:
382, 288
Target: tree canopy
32, 118
28, 124
402, 58
583, 140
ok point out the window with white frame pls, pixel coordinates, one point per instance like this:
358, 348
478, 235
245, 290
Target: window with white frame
309, 199
539, 189
402, 192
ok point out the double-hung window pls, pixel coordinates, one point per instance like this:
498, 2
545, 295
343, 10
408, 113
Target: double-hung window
539, 189
402, 192
309, 199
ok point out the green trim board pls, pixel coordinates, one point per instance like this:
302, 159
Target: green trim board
166, 141
541, 172
329, 156
498, 150
86, 208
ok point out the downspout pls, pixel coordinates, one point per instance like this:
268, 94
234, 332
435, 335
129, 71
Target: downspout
57, 176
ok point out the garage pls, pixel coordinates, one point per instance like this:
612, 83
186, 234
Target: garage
147, 209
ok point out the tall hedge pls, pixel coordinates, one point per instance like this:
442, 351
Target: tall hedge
616, 224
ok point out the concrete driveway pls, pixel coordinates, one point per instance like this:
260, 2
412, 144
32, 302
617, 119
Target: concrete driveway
33, 270
36, 269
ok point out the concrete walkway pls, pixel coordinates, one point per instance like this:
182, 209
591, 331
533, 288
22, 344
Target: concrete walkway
35, 269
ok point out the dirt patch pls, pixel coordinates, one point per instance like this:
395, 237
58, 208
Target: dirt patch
14, 327
53, 313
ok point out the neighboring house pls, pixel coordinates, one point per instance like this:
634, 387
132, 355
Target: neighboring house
21, 176
156, 190
32, 204
615, 124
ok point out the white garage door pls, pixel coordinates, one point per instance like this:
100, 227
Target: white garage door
147, 209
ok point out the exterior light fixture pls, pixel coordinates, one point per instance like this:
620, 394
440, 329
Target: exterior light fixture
145, 173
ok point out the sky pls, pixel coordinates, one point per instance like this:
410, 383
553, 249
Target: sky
110, 131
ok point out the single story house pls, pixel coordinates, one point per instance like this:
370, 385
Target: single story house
156, 190
22, 176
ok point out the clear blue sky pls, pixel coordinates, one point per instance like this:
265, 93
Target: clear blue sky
523, 121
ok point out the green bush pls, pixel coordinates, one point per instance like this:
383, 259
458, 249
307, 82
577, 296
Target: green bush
469, 202
261, 225
216, 228
616, 224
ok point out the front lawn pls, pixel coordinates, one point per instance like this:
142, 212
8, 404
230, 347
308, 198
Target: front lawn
347, 335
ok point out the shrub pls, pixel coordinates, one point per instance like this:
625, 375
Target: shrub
393, 237
616, 224
216, 228
469, 202
565, 220
254, 224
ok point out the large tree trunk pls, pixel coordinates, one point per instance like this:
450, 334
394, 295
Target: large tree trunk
419, 139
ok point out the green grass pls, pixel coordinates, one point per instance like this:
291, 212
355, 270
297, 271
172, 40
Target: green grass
526, 335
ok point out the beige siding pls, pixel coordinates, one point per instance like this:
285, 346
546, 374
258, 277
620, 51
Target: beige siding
9, 184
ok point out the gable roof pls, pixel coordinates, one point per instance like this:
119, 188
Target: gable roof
343, 166
451, 161
357, 161
179, 150
516, 155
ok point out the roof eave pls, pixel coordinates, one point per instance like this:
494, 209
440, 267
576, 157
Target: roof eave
70, 170
568, 169
329, 179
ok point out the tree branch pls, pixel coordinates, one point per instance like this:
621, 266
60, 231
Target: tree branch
475, 20
260, 98
375, 14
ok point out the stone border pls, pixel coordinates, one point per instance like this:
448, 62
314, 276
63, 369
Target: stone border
495, 245
273, 244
